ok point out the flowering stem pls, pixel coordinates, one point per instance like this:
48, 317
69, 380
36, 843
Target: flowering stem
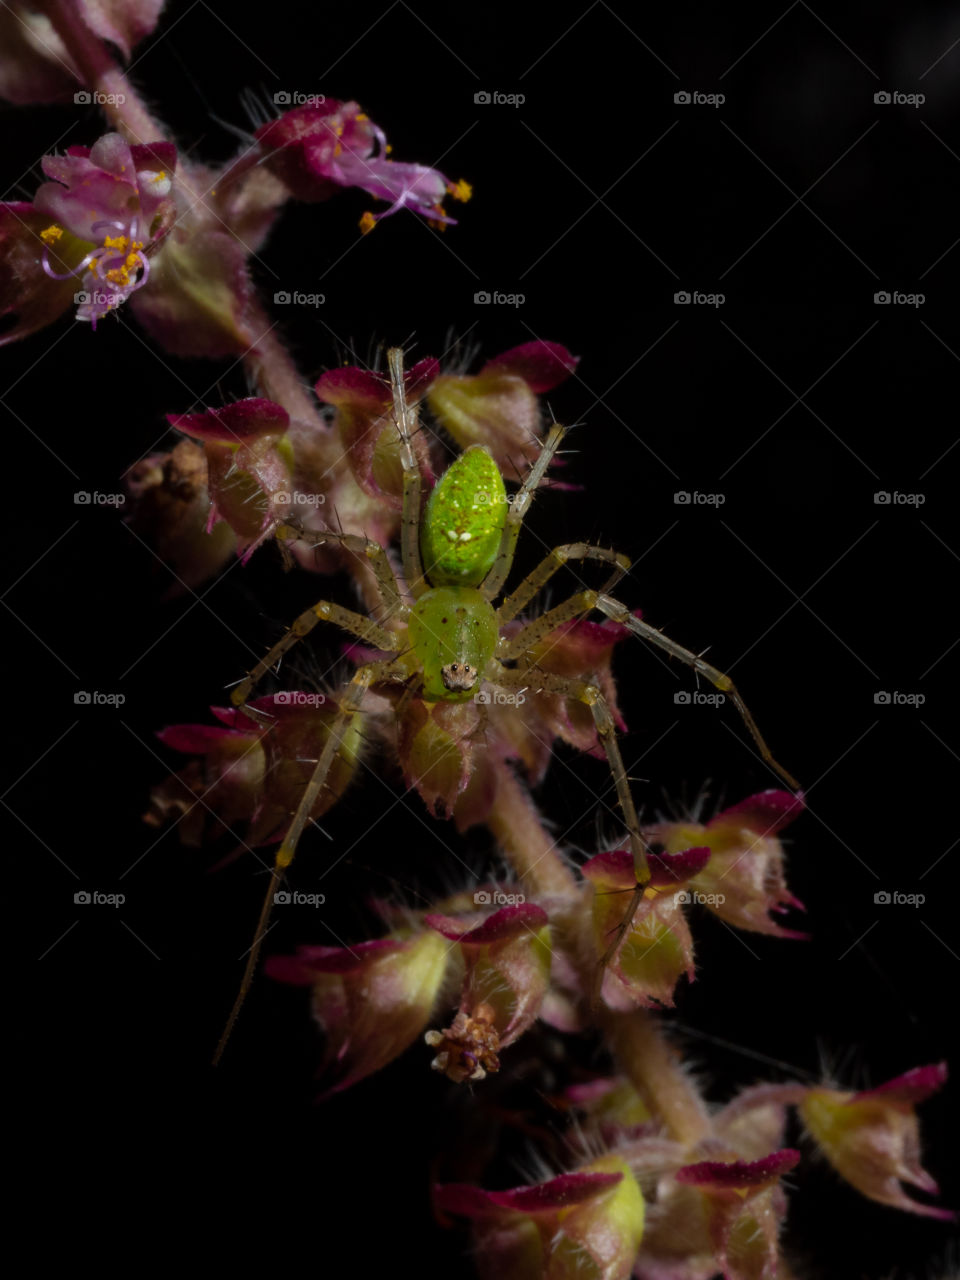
654, 1070
516, 824
272, 368
238, 168
121, 103
651, 1064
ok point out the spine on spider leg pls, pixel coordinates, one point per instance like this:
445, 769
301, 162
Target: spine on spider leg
522, 499
349, 707
619, 613
253, 956
410, 520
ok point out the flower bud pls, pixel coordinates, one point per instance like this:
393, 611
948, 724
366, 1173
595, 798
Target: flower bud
372, 999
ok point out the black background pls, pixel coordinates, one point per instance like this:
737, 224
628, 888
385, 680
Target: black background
797, 399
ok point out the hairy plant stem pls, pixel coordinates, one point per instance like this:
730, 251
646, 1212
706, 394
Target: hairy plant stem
272, 368
122, 105
533, 855
654, 1069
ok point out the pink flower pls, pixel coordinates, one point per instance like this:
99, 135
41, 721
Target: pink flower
364, 420
29, 298
372, 999
115, 197
170, 509
248, 466
742, 1205
498, 406
872, 1138
586, 1223
657, 948
319, 147
252, 774
743, 882
507, 958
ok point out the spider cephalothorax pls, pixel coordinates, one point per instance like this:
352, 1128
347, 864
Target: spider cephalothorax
447, 641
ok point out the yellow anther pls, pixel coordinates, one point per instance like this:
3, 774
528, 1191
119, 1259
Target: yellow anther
159, 177
367, 222
52, 234
461, 190
115, 242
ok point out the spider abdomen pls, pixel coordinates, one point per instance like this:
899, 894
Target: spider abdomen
463, 521
453, 631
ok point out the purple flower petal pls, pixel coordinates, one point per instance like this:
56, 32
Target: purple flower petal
738, 1174
766, 813
508, 922
542, 365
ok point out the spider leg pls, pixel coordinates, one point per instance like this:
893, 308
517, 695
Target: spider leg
386, 582
533, 632
348, 708
403, 417
619, 613
355, 623
493, 582
534, 582
538, 681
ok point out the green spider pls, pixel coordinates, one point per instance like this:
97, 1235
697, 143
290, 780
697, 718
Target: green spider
456, 560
